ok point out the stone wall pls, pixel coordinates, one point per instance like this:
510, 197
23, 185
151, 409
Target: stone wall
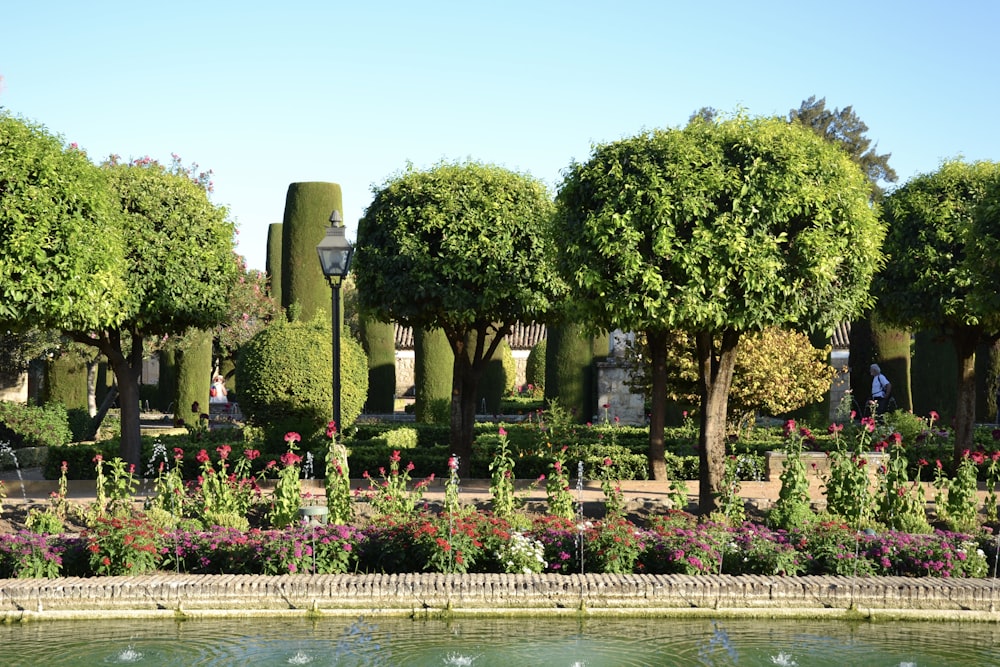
172, 595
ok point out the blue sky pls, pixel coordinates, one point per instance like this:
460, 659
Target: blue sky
350, 92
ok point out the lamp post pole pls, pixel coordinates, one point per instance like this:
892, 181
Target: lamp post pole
335, 285
335, 254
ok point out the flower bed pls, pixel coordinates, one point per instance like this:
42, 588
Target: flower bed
473, 541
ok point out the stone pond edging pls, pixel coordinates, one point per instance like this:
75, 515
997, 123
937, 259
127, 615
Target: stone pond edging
419, 594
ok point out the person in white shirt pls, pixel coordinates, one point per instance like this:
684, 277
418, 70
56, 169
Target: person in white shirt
881, 389
218, 393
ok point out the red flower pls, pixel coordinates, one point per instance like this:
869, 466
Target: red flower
290, 458
292, 436
251, 454
331, 429
202, 456
223, 451
395, 456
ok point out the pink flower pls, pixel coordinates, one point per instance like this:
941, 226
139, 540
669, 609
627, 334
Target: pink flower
292, 436
502, 431
607, 461
288, 459
251, 454
202, 457
223, 451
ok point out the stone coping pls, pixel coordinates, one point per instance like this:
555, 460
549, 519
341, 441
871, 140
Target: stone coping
423, 594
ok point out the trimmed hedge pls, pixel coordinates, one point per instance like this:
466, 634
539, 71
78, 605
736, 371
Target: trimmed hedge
285, 377
34, 426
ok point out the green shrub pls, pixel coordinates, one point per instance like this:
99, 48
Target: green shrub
79, 423
534, 368
34, 426
284, 374
498, 379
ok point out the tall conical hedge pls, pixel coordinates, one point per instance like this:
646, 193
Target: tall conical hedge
498, 378
569, 370
66, 381
307, 215
534, 368
874, 342
379, 342
194, 375
166, 388
272, 265
433, 366
935, 375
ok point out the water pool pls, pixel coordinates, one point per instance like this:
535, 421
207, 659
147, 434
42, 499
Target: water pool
498, 642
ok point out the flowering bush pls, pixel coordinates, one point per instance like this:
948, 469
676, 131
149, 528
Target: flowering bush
900, 502
502, 478
522, 555
224, 496
392, 496
557, 487
120, 546
338, 480
792, 507
614, 499
26, 555
848, 492
287, 497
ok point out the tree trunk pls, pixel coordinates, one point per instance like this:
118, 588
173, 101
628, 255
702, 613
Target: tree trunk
126, 370
463, 413
657, 341
965, 339
92, 366
715, 375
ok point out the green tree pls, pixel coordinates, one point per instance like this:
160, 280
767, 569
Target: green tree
843, 127
777, 371
62, 250
249, 310
460, 247
64, 262
720, 229
938, 247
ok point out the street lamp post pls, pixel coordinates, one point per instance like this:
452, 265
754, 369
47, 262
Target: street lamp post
335, 254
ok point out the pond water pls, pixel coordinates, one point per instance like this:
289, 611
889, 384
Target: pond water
498, 642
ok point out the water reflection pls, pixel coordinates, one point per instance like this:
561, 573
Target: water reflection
554, 642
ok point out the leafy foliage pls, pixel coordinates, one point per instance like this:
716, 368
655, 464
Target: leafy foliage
62, 261
843, 127
719, 229
285, 377
460, 247
34, 426
939, 277
776, 371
